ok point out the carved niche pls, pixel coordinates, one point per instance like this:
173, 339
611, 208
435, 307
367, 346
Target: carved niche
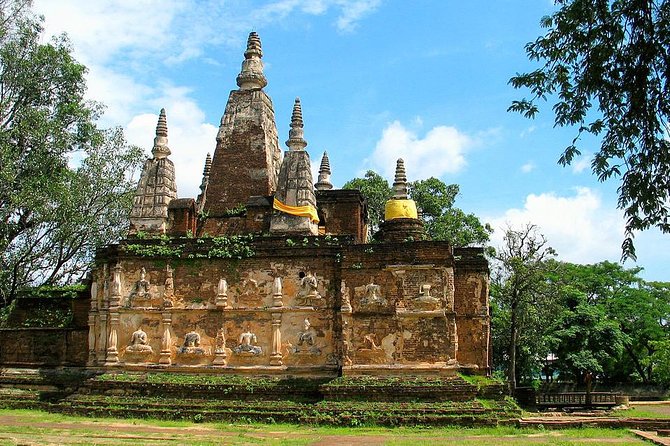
308, 295
370, 352
246, 345
141, 290
139, 349
307, 341
372, 298
191, 345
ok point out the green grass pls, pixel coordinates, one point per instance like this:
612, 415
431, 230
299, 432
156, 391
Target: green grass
36, 427
644, 412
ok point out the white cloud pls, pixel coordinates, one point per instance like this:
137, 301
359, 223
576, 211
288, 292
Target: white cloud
581, 163
527, 131
353, 11
441, 150
528, 167
578, 227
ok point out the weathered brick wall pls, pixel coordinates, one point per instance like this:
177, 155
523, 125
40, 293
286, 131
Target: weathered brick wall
43, 346
343, 212
400, 329
250, 304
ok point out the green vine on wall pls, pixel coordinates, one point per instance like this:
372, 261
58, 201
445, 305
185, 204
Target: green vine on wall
225, 247
161, 249
232, 247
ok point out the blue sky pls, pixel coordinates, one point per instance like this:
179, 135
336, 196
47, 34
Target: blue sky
424, 80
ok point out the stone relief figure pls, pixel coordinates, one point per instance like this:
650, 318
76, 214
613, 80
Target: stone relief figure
307, 340
369, 342
220, 340
139, 342
168, 295
373, 295
142, 288
369, 352
346, 301
191, 344
246, 345
308, 294
425, 300
220, 349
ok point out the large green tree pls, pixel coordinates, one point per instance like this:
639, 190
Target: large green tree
522, 302
64, 183
435, 201
610, 321
606, 68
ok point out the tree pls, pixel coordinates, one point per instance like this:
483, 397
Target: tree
609, 323
377, 192
607, 67
435, 201
519, 293
64, 183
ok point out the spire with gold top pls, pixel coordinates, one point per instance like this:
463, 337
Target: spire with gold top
400, 206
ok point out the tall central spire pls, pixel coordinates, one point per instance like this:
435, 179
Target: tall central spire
251, 77
247, 156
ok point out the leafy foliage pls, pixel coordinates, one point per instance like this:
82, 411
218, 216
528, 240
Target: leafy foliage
65, 187
377, 191
520, 298
606, 68
601, 319
435, 202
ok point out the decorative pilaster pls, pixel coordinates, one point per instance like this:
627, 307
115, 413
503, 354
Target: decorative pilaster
101, 352
115, 289
166, 341
220, 355
91, 324
323, 182
277, 296
112, 356
276, 356
112, 342
222, 294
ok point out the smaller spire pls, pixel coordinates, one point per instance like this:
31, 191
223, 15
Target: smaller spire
400, 183
251, 76
161, 149
200, 201
296, 140
208, 166
324, 174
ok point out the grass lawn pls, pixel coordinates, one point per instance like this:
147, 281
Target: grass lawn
646, 411
41, 428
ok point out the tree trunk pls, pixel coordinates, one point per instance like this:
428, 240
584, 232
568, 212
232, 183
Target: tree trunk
511, 372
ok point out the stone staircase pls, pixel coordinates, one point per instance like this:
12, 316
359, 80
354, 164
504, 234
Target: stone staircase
348, 402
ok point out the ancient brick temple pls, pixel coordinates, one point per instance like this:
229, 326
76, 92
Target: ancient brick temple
266, 272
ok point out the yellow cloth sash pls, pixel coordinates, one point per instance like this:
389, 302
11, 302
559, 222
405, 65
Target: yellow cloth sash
400, 209
300, 211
